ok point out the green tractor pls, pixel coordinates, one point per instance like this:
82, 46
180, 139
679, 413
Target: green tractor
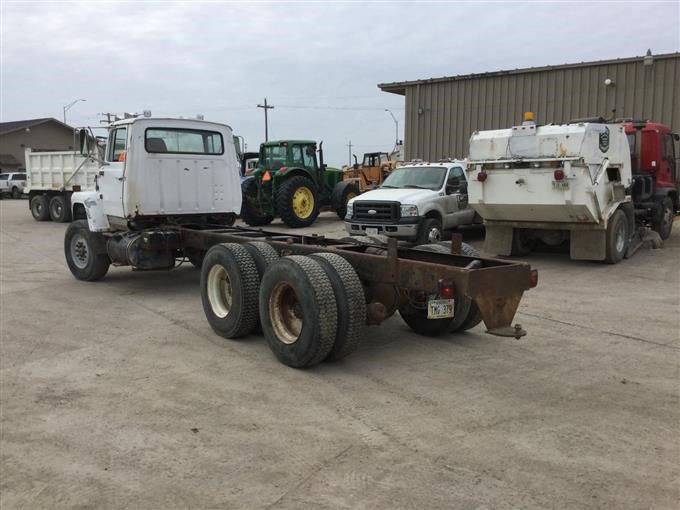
290, 184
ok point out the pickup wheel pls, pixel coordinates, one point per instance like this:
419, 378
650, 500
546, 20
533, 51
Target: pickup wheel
617, 237
522, 244
16, 193
60, 211
229, 290
351, 302
85, 252
343, 192
297, 201
430, 232
298, 311
251, 209
40, 208
664, 224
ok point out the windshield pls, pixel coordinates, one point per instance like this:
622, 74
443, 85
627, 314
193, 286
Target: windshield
274, 156
416, 177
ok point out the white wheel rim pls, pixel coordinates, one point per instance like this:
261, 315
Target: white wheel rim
219, 291
285, 313
620, 239
80, 251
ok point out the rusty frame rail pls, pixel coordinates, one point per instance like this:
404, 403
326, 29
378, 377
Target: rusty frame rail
495, 285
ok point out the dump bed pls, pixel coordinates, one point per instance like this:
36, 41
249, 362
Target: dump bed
572, 173
59, 170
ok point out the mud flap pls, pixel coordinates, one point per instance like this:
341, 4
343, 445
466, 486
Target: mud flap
588, 244
498, 240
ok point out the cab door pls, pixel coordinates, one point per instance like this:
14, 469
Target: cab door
112, 175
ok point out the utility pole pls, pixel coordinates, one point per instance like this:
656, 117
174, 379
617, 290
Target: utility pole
108, 118
349, 146
266, 124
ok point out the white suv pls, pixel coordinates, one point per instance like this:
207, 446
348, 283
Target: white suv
416, 202
12, 183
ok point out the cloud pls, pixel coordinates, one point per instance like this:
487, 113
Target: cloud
221, 59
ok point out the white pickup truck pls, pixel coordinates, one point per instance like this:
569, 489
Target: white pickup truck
416, 202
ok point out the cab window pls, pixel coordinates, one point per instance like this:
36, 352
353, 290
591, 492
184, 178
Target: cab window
182, 141
117, 144
309, 156
455, 179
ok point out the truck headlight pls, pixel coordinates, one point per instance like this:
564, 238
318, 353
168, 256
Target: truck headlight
350, 211
409, 210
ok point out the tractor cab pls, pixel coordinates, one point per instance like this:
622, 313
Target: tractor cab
280, 157
375, 159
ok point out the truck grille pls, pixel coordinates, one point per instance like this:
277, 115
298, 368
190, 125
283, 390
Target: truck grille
384, 211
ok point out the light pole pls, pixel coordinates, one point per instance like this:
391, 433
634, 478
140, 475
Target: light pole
68, 107
396, 127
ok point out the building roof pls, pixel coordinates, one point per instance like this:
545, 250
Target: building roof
399, 87
17, 125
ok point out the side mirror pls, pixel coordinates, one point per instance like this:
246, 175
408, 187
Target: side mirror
84, 146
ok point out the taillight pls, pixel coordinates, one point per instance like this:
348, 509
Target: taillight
283, 170
533, 278
446, 290
559, 175
481, 176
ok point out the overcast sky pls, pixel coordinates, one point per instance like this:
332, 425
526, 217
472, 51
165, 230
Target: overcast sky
317, 62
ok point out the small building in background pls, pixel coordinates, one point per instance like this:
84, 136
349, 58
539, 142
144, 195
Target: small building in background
442, 113
46, 134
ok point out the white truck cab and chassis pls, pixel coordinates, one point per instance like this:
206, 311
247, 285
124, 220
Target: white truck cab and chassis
555, 183
416, 202
164, 186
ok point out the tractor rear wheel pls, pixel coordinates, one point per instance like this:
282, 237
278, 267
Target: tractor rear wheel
297, 202
343, 192
251, 209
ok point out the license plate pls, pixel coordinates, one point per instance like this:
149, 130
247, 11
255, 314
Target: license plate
560, 184
371, 231
440, 308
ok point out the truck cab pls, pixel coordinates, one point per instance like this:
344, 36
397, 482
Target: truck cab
416, 202
156, 171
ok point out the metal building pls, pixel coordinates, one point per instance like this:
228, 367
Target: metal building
442, 113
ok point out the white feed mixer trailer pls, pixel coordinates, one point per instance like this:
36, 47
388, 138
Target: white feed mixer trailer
555, 183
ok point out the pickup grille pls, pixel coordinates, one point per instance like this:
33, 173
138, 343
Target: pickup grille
384, 211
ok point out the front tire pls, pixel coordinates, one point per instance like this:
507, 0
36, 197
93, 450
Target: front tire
343, 192
297, 202
664, 224
60, 211
40, 208
430, 231
85, 252
298, 311
251, 209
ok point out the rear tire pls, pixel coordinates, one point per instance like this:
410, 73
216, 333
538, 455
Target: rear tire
40, 208
521, 244
298, 311
297, 201
664, 224
343, 192
16, 194
251, 210
617, 237
229, 290
85, 252
60, 211
351, 302
263, 254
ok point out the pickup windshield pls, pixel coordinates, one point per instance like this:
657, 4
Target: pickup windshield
416, 177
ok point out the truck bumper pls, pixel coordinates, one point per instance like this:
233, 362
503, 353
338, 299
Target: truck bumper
406, 229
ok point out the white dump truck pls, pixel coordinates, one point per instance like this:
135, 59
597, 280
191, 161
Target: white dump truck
555, 183
52, 177
167, 190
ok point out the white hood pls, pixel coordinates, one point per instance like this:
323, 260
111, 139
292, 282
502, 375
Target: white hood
402, 195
